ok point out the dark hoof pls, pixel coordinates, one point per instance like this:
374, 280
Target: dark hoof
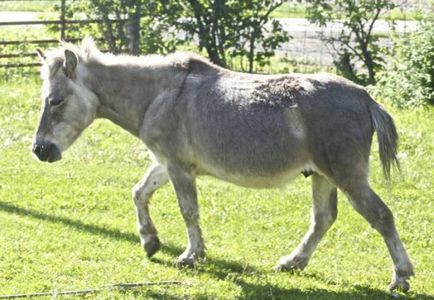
400, 286
291, 265
152, 246
280, 268
284, 268
190, 260
186, 262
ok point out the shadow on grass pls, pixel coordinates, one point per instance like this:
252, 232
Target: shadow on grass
77, 224
228, 270
218, 268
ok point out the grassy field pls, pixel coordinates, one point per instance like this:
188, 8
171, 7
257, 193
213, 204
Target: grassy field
71, 225
290, 10
32, 5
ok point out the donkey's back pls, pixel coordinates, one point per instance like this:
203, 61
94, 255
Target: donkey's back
262, 131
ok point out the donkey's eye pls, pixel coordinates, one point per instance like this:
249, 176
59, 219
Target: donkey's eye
55, 101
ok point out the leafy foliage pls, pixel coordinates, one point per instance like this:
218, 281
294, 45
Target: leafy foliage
235, 29
224, 29
355, 43
409, 80
133, 26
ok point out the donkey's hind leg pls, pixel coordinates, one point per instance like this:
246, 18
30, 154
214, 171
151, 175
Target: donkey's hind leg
155, 177
349, 170
323, 214
373, 209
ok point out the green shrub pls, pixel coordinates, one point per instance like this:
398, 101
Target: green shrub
409, 80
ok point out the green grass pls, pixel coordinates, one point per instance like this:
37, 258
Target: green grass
290, 10
32, 5
71, 225
412, 15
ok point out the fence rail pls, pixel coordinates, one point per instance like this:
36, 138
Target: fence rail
58, 22
44, 41
61, 21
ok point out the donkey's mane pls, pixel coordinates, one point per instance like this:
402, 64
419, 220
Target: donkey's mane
88, 52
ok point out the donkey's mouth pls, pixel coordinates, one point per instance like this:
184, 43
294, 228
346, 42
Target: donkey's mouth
54, 156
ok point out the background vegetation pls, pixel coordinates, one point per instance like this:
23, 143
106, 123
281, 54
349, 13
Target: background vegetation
245, 35
223, 29
356, 41
409, 77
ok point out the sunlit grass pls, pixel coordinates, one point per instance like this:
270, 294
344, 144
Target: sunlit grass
32, 5
290, 10
71, 225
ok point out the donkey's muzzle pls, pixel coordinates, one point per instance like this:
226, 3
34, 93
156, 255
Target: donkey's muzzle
47, 151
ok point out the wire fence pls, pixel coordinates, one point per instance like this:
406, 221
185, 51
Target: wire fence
89, 291
22, 32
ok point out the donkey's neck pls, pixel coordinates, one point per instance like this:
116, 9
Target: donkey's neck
125, 91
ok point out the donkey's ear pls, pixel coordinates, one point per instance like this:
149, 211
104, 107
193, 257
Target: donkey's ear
41, 55
70, 63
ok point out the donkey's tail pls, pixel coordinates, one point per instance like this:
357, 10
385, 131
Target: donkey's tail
386, 135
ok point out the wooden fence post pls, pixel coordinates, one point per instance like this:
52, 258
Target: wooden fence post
62, 19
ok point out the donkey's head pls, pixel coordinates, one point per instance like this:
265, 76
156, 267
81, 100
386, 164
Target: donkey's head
68, 106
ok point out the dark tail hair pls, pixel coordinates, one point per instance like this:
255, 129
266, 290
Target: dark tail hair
387, 137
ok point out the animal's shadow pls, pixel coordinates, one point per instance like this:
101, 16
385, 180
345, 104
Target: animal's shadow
218, 268
221, 268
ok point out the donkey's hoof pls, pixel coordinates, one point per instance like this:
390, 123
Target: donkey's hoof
190, 259
291, 263
152, 246
186, 262
400, 285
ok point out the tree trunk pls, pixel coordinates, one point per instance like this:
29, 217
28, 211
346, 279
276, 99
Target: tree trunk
134, 29
220, 32
370, 66
251, 54
206, 33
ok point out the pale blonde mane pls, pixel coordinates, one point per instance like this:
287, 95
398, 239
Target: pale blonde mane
88, 52
55, 57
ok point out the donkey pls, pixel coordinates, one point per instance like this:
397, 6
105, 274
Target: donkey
252, 130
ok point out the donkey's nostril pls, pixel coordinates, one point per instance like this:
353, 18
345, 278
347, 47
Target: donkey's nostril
37, 149
40, 149
47, 151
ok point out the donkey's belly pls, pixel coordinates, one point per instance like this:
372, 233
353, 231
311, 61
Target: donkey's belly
276, 181
259, 180
267, 151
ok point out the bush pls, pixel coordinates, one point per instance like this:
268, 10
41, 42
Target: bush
356, 43
409, 80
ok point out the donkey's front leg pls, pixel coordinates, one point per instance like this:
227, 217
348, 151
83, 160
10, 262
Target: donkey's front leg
184, 184
155, 177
